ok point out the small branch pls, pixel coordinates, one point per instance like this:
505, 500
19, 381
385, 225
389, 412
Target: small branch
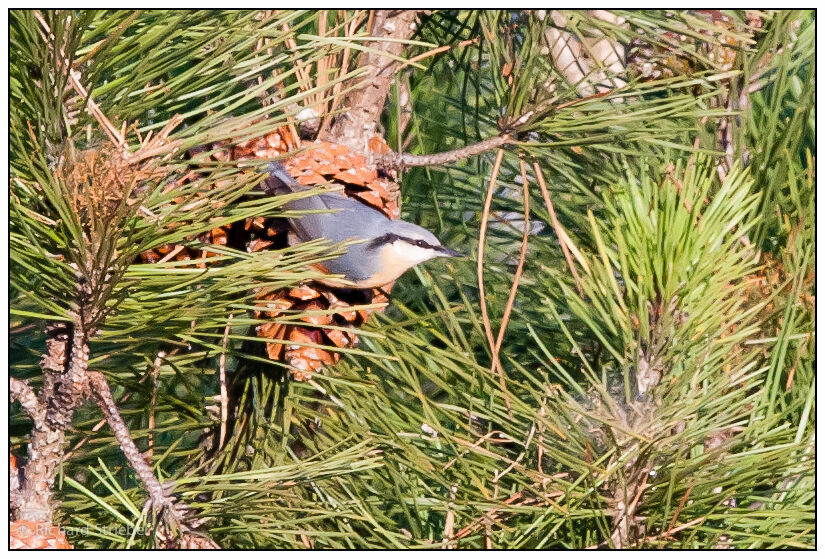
176, 516
103, 396
400, 161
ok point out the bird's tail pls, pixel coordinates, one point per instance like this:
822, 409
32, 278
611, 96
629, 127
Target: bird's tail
279, 180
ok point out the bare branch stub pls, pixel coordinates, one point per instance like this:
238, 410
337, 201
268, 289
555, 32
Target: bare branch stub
20, 391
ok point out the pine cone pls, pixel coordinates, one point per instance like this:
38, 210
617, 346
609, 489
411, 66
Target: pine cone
270, 145
316, 162
179, 253
324, 161
319, 163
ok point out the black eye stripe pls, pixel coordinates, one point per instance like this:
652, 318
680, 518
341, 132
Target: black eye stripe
382, 240
392, 237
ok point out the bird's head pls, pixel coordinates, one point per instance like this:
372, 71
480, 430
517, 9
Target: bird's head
403, 245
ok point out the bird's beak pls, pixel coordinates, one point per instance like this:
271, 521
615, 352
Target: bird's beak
444, 251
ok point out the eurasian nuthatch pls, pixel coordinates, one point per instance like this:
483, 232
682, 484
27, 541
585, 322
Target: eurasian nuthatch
384, 248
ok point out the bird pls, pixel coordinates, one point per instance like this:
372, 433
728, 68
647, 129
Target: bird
383, 248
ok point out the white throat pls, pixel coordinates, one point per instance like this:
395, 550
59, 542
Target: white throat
412, 254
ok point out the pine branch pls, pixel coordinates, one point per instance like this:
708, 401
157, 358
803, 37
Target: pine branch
624, 413
45, 450
20, 391
400, 161
177, 516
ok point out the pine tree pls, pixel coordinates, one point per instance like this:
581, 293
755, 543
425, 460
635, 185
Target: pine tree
625, 359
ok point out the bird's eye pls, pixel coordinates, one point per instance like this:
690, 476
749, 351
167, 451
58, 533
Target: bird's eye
422, 244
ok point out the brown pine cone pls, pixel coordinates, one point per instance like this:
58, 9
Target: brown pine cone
321, 162
270, 145
325, 161
329, 311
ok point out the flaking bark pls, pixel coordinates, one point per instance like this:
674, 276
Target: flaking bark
33, 501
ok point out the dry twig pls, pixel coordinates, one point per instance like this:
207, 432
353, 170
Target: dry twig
400, 161
564, 240
176, 516
485, 317
511, 299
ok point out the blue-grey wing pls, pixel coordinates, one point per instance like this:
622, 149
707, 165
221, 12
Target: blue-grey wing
343, 219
